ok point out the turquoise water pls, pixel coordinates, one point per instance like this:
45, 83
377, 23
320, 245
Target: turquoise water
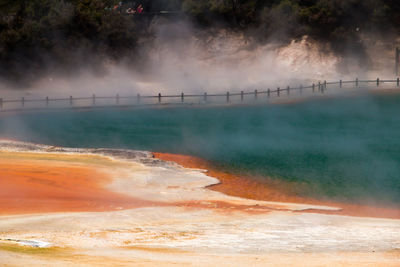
342, 149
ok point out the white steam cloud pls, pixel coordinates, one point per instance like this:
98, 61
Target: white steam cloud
180, 60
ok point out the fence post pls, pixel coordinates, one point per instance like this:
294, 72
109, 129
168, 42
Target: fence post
47, 101
205, 97
94, 99
1, 103
159, 97
301, 89
182, 97
356, 82
398, 81
269, 92
397, 59
313, 87
227, 97
319, 86
117, 99
278, 91
377, 82
23, 101
255, 94
138, 98
288, 90
241, 96
340, 82
324, 85
70, 100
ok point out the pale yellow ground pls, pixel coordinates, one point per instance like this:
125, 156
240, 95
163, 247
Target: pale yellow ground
167, 258
182, 223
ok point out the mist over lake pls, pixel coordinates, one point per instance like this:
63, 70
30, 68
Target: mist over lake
345, 149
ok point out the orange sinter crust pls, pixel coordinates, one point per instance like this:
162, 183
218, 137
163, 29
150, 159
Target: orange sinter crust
29, 186
246, 187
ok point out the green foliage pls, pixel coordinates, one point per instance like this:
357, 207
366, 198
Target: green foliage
329, 20
40, 34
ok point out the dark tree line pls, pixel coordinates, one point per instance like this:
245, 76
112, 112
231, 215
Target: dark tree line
38, 35
41, 35
322, 19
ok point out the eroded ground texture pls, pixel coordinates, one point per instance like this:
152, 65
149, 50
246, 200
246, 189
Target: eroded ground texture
98, 207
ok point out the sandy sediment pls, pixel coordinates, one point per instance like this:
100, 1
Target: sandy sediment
113, 207
245, 187
35, 186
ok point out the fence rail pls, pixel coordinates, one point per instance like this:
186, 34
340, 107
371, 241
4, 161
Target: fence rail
204, 98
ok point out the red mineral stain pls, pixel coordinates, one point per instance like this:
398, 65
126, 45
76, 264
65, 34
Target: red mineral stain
246, 187
29, 186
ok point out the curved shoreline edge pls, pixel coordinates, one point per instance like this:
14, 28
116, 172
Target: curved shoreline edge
185, 223
241, 186
194, 184
142, 181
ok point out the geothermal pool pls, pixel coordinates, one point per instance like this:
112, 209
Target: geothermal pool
345, 149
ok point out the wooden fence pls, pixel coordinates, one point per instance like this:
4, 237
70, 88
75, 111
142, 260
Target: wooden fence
256, 96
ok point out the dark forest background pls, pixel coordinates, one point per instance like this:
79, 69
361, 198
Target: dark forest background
41, 35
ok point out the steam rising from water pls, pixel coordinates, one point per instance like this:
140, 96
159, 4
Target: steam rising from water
182, 59
344, 148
